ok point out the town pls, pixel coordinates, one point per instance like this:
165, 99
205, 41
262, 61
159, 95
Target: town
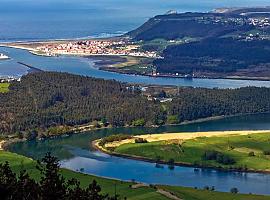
95, 47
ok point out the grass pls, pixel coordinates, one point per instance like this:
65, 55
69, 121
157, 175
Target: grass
191, 151
129, 62
18, 163
193, 194
4, 87
135, 64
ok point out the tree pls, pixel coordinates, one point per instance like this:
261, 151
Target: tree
51, 186
26, 188
251, 154
7, 181
234, 190
172, 119
138, 122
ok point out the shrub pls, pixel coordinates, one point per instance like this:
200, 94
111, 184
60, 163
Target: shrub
31, 135
113, 138
172, 119
206, 188
210, 155
225, 159
140, 140
171, 163
267, 152
251, 154
234, 190
158, 159
218, 157
138, 122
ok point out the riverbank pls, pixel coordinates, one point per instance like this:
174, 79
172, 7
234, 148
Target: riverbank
130, 72
89, 127
187, 149
130, 190
81, 129
126, 66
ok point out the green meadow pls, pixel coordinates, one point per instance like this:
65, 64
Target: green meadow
18, 163
248, 151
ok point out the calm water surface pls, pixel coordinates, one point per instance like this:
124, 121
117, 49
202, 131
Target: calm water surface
75, 153
22, 20
84, 66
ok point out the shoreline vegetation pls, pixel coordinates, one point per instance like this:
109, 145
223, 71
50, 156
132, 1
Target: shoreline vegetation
81, 129
132, 190
4, 143
124, 147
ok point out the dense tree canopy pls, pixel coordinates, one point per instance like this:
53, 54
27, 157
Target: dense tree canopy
47, 100
214, 55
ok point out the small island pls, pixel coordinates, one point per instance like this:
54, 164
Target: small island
224, 150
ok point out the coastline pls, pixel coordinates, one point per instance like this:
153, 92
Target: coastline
116, 70
96, 146
25, 46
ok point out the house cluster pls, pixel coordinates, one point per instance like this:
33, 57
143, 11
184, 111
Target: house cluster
9, 79
95, 47
260, 22
221, 20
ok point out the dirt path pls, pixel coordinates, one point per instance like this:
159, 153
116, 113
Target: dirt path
168, 194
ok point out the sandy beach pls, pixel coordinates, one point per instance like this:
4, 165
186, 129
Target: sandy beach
184, 136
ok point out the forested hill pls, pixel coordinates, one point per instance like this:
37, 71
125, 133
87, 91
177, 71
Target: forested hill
201, 25
225, 44
49, 99
223, 55
195, 25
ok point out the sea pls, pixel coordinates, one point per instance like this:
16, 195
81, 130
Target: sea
33, 20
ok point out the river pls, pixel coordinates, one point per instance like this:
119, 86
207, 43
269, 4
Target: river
76, 154
30, 20
85, 66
